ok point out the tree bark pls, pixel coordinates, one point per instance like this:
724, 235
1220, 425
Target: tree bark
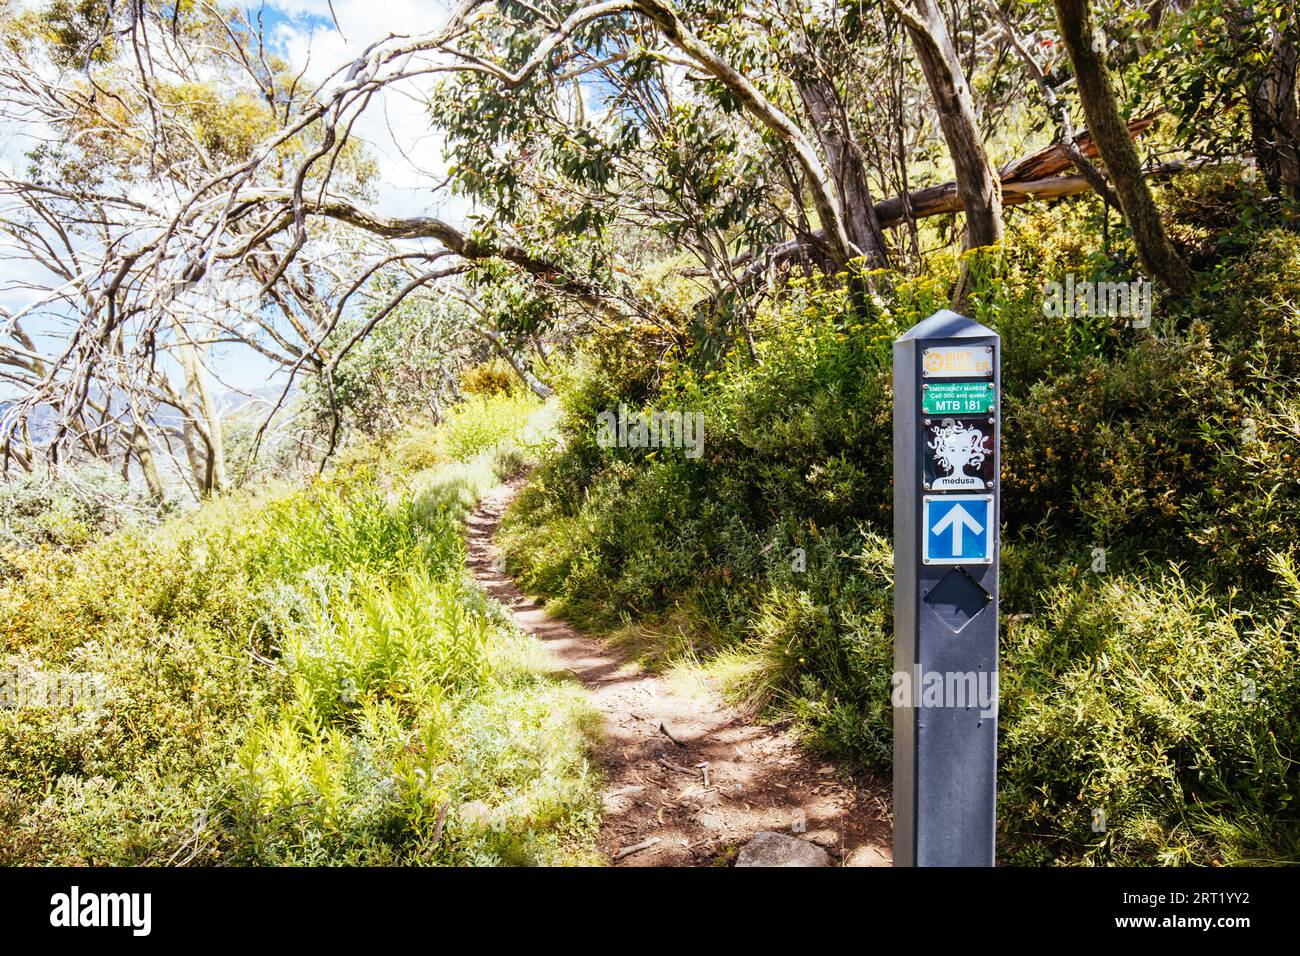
209, 462
1157, 255
977, 184
143, 452
1275, 119
844, 164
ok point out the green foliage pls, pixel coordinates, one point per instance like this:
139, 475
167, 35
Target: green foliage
1252, 299
489, 378
86, 502
1116, 445
1209, 62
75, 31
1162, 706
1214, 212
303, 676
483, 422
413, 449
796, 444
767, 558
282, 452
292, 677
401, 372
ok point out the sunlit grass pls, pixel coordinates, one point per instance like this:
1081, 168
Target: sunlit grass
300, 676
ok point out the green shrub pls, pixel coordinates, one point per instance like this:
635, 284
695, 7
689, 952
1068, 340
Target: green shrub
84, 503
1172, 449
1150, 700
1212, 212
413, 449
1115, 444
489, 378
483, 422
1250, 301
410, 708
293, 677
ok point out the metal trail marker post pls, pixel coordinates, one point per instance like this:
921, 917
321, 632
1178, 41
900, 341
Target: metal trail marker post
947, 460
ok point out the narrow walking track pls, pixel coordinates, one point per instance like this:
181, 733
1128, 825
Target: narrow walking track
688, 779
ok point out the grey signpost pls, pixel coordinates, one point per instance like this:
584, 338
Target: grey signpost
947, 460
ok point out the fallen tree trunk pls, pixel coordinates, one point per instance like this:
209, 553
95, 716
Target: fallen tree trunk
1052, 160
936, 200
1036, 176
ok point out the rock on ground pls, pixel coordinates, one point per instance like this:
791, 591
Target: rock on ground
867, 856
777, 849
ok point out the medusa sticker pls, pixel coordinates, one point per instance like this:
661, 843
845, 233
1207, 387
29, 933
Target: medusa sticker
958, 456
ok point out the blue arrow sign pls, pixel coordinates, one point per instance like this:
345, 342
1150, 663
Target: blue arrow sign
958, 529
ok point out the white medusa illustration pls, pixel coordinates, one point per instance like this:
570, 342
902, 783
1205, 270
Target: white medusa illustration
957, 447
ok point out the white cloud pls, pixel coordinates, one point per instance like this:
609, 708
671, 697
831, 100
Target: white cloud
397, 127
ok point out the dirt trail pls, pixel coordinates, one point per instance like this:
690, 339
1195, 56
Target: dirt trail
657, 739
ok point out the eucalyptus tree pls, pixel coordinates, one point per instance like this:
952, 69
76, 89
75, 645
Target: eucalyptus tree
178, 152
977, 183
125, 111
1087, 47
596, 140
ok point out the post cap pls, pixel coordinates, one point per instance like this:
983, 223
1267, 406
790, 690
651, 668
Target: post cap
946, 324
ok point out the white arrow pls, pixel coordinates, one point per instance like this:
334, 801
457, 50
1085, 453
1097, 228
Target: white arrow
957, 519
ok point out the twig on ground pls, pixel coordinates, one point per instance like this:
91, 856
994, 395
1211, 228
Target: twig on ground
438, 824
637, 847
676, 766
437, 830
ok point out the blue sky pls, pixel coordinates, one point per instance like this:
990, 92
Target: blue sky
396, 128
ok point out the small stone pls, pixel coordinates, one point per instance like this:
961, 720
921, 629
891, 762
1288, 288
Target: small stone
777, 849
825, 838
867, 856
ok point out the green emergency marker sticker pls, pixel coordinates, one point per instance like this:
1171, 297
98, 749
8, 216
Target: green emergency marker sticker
958, 398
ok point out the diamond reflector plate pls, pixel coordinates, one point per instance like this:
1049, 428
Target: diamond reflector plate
957, 598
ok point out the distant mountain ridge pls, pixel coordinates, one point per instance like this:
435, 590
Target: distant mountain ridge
43, 420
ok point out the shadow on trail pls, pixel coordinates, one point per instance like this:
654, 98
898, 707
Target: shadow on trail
694, 794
